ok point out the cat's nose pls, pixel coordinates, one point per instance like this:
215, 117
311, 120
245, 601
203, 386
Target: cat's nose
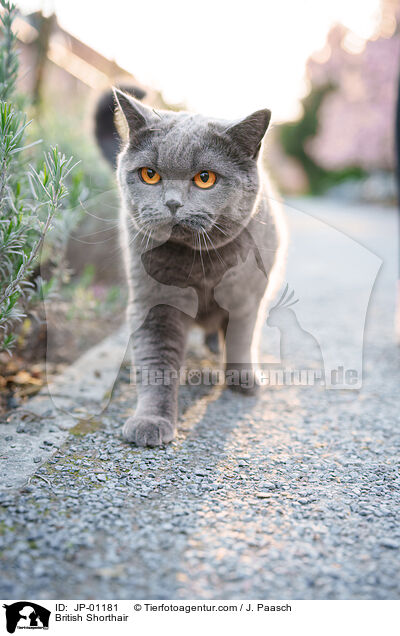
173, 205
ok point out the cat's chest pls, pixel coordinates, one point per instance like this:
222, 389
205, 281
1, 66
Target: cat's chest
187, 268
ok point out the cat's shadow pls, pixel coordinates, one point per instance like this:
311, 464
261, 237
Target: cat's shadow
197, 381
206, 408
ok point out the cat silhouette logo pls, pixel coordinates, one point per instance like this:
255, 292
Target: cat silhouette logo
26, 615
298, 347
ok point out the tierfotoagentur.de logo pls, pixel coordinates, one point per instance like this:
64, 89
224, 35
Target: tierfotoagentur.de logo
26, 615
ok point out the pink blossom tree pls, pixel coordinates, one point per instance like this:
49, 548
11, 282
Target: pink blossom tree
356, 118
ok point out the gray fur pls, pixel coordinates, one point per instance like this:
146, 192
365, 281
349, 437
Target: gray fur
191, 254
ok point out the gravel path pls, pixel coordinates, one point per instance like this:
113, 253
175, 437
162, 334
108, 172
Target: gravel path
293, 494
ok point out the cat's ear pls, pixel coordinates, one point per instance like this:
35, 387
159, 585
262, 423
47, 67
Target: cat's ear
249, 132
136, 114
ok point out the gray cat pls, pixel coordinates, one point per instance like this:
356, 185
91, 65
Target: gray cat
201, 244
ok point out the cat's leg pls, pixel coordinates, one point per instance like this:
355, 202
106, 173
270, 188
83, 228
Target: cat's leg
212, 342
158, 348
240, 367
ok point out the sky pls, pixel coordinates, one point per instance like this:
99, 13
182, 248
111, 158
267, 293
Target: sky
222, 58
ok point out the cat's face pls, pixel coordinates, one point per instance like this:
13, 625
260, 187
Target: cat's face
188, 178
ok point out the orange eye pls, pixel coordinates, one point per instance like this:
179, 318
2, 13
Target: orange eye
205, 179
150, 176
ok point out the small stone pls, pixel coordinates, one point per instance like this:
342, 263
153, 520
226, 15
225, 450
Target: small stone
37, 459
387, 542
268, 485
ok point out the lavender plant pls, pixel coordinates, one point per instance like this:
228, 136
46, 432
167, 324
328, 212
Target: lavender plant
30, 198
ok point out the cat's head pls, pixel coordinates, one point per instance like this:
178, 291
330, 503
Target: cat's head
189, 178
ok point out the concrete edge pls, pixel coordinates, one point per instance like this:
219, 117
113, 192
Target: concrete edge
34, 432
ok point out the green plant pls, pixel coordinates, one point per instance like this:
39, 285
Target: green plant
31, 196
8, 55
294, 136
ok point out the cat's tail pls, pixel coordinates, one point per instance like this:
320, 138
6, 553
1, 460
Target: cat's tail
105, 130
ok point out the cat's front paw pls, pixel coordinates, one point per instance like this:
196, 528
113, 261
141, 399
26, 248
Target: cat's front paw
148, 430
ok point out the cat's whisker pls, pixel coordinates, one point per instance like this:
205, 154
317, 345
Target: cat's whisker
115, 222
148, 239
143, 239
215, 249
249, 244
133, 238
206, 238
106, 229
203, 234
135, 217
204, 272
201, 258
219, 228
191, 268
75, 238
